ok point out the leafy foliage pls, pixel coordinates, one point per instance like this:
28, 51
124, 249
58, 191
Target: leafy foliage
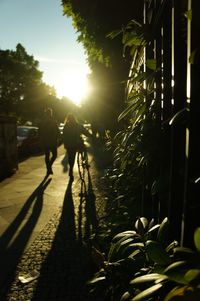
132, 252
142, 264
94, 20
22, 88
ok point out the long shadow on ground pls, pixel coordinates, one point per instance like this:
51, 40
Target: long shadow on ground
65, 269
13, 241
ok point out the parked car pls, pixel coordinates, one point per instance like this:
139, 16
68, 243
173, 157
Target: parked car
28, 141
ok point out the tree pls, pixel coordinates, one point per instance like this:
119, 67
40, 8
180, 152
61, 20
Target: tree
22, 91
18, 72
94, 20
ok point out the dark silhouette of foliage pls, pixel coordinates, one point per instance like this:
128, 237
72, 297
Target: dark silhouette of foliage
94, 20
22, 90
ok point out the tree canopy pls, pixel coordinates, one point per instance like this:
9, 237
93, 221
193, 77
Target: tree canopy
94, 20
22, 90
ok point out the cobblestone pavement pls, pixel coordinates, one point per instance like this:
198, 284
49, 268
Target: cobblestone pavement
59, 253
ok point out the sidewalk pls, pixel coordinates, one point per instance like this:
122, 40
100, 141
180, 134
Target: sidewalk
41, 223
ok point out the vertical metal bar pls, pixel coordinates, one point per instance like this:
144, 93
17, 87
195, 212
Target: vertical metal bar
172, 105
173, 55
187, 131
144, 86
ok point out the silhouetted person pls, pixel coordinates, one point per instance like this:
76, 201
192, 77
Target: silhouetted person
49, 132
72, 140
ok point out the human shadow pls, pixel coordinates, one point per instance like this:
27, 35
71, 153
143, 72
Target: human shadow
63, 272
64, 162
14, 240
87, 217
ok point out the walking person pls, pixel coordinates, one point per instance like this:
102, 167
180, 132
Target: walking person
48, 131
72, 140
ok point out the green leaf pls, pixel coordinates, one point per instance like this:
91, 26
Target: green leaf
151, 223
197, 239
163, 230
179, 116
141, 224
95, 280
115, 252
171, 246
114, 33
132, 247
130, 108
192, 56
148, 278
176, 293
182, 253
193, 274
188, 14
148, 292
124, 234
154, 228
157, 253
125, 296
135, 253
139, 78
152, 233
151, 64
177, 270
154, 188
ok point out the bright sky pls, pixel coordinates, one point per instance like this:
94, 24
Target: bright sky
39, 25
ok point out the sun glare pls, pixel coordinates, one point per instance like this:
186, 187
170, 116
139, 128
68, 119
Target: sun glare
75, 88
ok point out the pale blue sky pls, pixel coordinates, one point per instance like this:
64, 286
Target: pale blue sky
39, 25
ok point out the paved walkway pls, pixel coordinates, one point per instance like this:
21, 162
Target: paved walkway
42, 224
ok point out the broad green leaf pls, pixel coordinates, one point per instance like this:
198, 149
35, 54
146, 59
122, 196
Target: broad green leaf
95, 280
157, 253
125, 296
182, 253
163, 230
192, 275
141, 224
132, 247
148, 278
148, 292
151, 223
175, 294
115, 250
135, 253
177, 270
171, 246
151, 64
154, 228
125, 234
152, 232
184, 293
197, 239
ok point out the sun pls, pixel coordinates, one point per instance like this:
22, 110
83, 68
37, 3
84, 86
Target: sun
75, 87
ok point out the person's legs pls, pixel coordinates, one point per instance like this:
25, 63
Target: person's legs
47, 159
54, 155
71, 160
